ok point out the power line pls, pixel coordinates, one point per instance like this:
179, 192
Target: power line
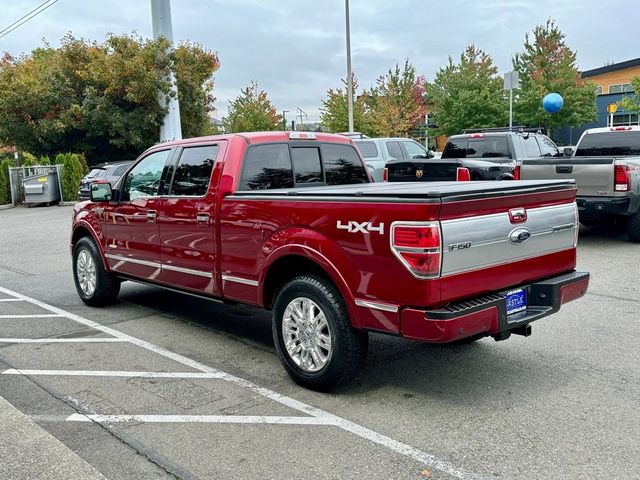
25, 18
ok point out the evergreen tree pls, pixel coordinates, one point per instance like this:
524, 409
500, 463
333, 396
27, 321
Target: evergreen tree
252, 111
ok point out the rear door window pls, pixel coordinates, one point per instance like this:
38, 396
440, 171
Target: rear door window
394, 150
267, 166
367, 149
531, 148
342, 165
306, 165
193, 173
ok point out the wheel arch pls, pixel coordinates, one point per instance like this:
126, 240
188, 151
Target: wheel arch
295, 260
84, 229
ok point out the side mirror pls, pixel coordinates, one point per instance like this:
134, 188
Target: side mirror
567, 152
100, 192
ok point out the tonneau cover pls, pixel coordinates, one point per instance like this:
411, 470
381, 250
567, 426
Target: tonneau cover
419, 190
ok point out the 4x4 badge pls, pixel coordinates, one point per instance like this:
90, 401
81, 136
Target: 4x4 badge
360, 227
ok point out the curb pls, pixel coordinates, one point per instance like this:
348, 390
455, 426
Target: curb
28, 451
7, 206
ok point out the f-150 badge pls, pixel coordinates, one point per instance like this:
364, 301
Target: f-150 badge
360, 227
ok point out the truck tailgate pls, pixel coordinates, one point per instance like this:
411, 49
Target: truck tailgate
430, 170
593, 175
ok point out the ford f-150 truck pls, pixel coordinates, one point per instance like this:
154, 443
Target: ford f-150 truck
291, 222
606, 168
486, 154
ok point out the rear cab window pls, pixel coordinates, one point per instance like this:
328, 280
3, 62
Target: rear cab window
490, 146
283, 165
609, 144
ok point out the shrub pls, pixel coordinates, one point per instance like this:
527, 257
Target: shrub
5, 185
28, 160
74, 166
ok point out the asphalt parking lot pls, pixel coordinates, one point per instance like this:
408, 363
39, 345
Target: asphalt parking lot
166, 386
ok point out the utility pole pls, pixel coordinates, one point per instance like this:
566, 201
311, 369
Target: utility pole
284, 119
349, 77
511, 81
171, 128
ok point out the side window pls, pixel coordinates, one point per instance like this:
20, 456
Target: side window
394, 150
455, 148
306, 165
531, 149
414, 150
495, 146
118, 172
192, 175
267, 166
342, 165
547, 147
367, 149
144, 179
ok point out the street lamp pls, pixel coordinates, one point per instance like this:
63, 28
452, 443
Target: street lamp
349, 78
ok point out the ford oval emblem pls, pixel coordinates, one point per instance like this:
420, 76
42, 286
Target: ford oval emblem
519, 235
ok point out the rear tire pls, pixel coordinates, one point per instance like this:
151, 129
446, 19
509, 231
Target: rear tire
314, 338
633, 227
96, 287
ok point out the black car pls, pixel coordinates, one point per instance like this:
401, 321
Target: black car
109, 172
488, 154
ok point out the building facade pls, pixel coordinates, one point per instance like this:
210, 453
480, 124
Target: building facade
613, 83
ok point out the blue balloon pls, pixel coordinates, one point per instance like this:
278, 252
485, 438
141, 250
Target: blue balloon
552, 103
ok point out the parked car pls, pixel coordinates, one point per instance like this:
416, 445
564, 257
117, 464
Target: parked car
109, 172
606, 167
291, 222
377, 152
488, 154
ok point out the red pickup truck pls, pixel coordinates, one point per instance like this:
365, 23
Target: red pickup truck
291, 222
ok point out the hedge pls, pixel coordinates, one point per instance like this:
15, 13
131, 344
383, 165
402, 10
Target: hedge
74, 167
5, 185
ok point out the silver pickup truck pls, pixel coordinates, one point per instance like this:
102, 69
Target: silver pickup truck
606, 168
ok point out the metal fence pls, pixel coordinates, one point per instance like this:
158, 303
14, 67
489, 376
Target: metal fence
18, 174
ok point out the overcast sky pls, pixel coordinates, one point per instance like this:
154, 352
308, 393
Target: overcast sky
295, 49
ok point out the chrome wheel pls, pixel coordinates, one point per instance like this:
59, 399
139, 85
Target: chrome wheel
86, 273
306, 334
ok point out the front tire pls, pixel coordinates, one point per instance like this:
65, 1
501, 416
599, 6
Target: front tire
314, 338
96, 287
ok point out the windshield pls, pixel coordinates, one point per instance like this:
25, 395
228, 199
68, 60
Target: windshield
609, 144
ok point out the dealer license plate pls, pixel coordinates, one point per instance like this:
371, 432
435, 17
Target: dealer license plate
516, 301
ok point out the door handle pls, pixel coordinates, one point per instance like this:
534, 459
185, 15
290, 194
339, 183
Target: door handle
564, 169
152, 215
202, 218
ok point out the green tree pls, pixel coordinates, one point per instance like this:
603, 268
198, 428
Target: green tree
548, 65
5, 184
101, 99
632, 103
252, 111
74, 167
468, 94
396, 103
334, 113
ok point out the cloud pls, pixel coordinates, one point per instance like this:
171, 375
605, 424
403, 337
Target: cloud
296, 49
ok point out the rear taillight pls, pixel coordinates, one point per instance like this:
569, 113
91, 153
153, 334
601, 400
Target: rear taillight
477, 135
463, 174
418, 247
516, 173
385, 175
622, 179
577, 227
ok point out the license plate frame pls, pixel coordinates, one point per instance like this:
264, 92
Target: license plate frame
516, 301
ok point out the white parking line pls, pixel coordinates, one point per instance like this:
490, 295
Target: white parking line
11, 300
347, 425
246, 419
63, 340
42, 315
111, 373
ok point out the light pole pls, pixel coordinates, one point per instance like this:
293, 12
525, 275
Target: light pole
171, 128
349, 78
284, 119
